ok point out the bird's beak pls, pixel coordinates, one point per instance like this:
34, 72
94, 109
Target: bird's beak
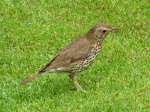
114, 30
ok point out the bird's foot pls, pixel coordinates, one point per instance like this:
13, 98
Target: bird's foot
81, 90
76, 84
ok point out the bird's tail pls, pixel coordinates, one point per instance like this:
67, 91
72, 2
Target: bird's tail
35, 76
42, 71
31, 78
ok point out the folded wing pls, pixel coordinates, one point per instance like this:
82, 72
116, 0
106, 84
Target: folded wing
76, 51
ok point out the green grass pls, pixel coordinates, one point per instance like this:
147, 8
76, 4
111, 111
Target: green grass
33, 31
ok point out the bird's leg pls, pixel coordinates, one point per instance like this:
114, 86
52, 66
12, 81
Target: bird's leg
73, 77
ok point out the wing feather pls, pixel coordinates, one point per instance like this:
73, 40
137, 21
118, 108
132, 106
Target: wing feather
76, 51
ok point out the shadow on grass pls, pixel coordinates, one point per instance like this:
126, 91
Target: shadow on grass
43, 88
52, 86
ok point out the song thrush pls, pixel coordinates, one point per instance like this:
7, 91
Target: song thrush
77, 56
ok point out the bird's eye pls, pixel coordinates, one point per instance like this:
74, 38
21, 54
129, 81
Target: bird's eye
104, 31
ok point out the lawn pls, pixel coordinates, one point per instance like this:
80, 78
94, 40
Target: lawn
33, 31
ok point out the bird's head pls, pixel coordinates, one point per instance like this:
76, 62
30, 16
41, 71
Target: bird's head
101, 30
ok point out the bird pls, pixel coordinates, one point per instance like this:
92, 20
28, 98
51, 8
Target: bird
77, 56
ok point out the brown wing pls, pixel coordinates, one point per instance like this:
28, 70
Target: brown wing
76, 51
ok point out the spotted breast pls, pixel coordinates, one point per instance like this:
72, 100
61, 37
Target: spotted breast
81, 65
